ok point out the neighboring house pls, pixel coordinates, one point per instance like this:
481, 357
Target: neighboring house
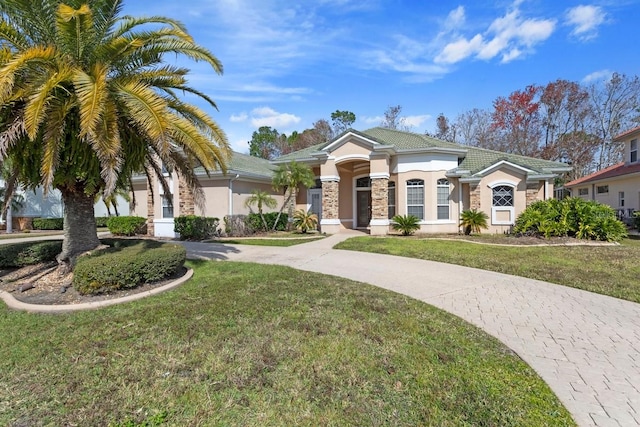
224, 195
365, 178
37, 204
617, 186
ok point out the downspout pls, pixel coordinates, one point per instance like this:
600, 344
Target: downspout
546, 190
460, 202
231, 194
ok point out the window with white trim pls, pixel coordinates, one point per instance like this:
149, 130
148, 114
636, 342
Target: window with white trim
502, 196
633, 151
443, 197
621, 199
602, 189
583, 191
415, 198
391, 199
167, 206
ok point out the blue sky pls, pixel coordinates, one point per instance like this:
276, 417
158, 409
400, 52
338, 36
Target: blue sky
290, 63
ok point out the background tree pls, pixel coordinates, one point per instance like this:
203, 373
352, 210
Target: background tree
342, 121
615, 104
393, 120
444, 130
323, 130
87, 101
517, 121
474, 128
288, 177
265, 143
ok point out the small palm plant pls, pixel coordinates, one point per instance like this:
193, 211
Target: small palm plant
473, 221
407, 224
305, 220
261, 198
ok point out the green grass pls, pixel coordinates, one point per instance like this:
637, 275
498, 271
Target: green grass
608, 270
248, 344
282, 242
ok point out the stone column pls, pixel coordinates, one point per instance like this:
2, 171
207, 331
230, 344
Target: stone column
186, 205
533, 189
379, 206
330, 222
150, 212
474, 196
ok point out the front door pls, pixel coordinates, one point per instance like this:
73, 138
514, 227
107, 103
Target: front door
315, 200
363, 208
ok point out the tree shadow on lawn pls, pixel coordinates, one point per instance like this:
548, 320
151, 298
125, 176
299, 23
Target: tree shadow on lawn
208, 251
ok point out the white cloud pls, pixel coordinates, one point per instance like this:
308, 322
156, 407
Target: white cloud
266, 116
372, 120
597, 76
510, 36
585, 20
416, 121
238, 118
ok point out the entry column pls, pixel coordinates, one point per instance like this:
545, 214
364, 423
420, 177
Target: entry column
379, 204
330, 222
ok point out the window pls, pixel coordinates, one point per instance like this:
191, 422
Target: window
391, 199
443, 198
502, 196
602, 189
415, 198
167, 206
633, 150
363, 182
621, 199
583, 191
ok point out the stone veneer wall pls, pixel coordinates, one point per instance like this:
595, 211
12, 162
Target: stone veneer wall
474, 196
150, 213
379, 198
330, 200
532, 193
186, 203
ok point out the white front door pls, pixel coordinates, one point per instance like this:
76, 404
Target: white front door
315, 201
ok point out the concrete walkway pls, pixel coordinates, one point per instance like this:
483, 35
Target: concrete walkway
585, 346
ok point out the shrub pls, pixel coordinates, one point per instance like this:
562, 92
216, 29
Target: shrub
48, 223
126, 225
101, 221
305, 220
192, 227
636, 220
127, 266
574, 217
407, 224
254, 222
473, 221
29, 253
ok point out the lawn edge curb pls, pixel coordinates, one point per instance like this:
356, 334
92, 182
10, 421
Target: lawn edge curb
14, 304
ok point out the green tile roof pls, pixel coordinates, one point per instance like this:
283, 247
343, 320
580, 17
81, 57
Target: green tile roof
474, 159
246, 165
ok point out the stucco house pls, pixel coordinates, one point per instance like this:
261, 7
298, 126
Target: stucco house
365, 178
224, 194
617, 186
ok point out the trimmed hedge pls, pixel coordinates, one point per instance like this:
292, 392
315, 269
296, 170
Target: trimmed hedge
192, 227
126, 225
127, 265
48, 223
101, 221
29, 253
255, 223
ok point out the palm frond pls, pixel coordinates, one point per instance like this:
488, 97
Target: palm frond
12, 36
91, 90
188, 137
54, 132
145, 108
21, 60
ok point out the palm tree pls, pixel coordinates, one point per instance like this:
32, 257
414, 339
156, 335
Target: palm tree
289, 176
261, 198
407, 224
86, 102
473, 221
305, 220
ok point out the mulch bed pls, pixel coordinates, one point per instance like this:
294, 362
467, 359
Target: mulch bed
42, 284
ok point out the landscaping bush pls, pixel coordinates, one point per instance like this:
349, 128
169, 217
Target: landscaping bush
127, 266
101, 221
473, 221
254, 222
29, 253
48, 223
636, 220
573, 217
407, 224
126, 225
192, 227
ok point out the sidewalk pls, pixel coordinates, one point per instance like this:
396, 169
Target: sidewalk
584, 345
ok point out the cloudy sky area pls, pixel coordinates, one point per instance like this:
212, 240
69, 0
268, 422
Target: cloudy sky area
288, 64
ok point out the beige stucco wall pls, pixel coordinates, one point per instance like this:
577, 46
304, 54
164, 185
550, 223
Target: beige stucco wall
630, 185
503, 175
350, 149
140, 196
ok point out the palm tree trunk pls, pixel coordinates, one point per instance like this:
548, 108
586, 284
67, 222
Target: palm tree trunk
80, 233
292, 203
284, 204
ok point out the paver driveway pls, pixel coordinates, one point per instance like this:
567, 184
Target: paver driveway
585, 346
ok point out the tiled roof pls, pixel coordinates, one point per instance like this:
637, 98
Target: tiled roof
244, 164
474, 159
626, 133
614, 171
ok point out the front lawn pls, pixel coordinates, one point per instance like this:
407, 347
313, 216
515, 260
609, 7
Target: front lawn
608, 270
248, 344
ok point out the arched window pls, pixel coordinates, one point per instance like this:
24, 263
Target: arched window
391, 198
502, 201
415, 198
443, 192
502, 196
